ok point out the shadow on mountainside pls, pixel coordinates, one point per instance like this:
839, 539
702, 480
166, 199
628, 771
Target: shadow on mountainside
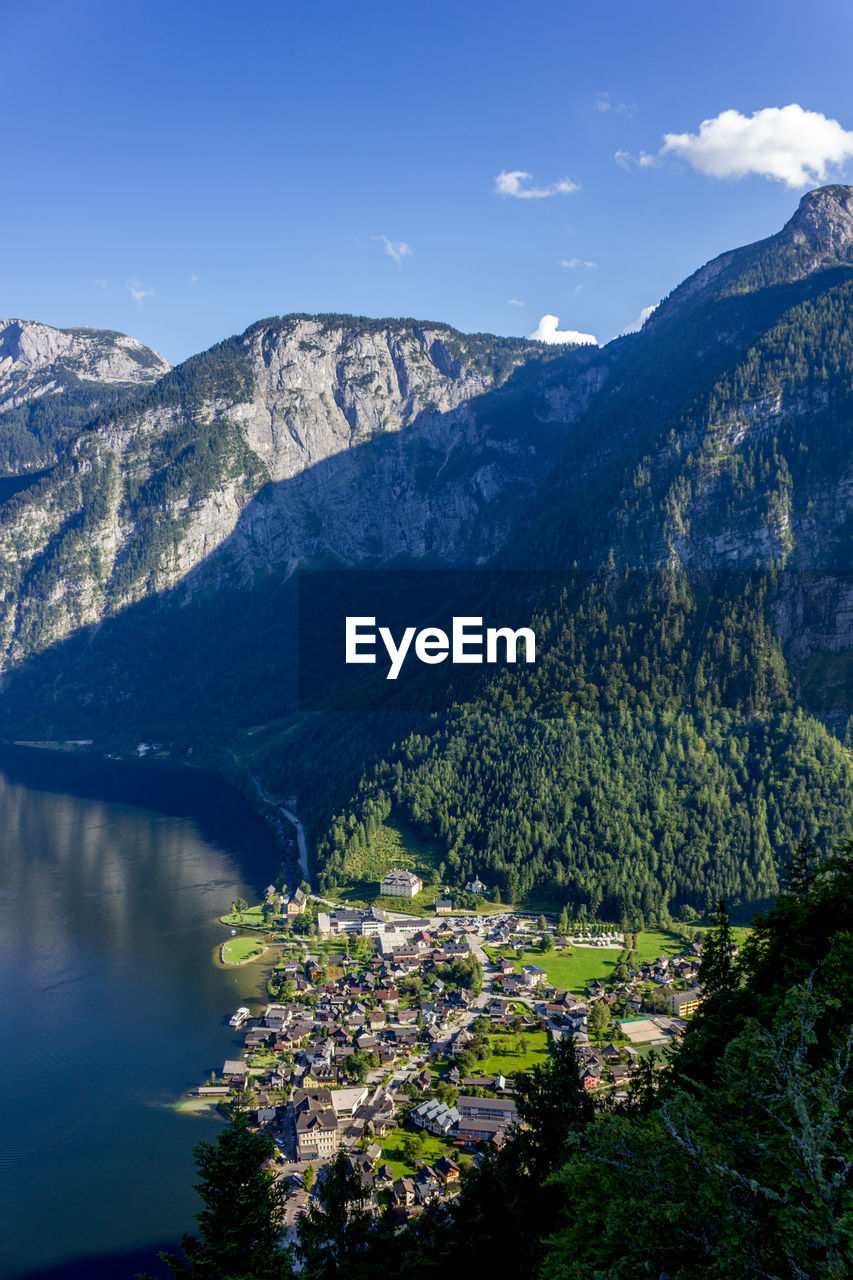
496, 483
218, 652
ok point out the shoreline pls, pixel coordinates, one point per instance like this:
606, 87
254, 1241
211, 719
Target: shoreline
238, 964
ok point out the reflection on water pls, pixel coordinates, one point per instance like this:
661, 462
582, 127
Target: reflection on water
109, 1002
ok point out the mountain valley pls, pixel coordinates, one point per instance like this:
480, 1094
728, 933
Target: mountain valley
676, 506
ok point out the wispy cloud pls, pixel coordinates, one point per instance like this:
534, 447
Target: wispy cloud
99, 284
396, 249
572, 263
514, 182
515, 302
138, 293
548, 330
193, 279
644, 160
603, 102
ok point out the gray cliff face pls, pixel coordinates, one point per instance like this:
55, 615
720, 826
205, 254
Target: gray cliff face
36, 359
323, 390
338, 440
384, 444
823, 224
351, 443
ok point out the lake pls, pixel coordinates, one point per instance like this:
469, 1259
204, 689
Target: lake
111, 880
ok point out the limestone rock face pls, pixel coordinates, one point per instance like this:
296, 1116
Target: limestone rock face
824, 221
307, 439
338, 440
36, 359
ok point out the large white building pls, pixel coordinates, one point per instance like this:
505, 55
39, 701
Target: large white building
315, 1123
401, 884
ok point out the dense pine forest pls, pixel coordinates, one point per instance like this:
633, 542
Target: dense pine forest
653, 760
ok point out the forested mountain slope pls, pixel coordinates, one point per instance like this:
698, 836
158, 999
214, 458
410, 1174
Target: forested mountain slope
698, 526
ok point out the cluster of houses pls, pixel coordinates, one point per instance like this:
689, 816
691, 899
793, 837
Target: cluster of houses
675, 976
305, 1058
323, 1120
308, 1057
431, 1182
360, 1011
470, 1119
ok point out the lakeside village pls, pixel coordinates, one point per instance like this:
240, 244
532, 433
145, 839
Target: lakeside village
397, 1037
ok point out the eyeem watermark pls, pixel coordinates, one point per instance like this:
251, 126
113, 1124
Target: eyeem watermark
465, 644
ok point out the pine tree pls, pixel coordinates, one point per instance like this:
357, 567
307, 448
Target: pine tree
335, 1233
717, 971
240, 1225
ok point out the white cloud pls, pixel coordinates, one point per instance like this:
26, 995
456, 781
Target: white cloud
571, 263
623, 158
641, 319
192, 279
516, 302
547, 331
511, 182
396, 249
138, 293
99, 284
787, 144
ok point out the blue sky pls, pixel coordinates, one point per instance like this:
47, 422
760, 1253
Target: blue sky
179, 170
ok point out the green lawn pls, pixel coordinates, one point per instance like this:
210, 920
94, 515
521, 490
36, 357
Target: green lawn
241, 950
433, 1149
504, 1061
646, 1050
571, 971
659, 942
251, 918
336, 947
260, 1059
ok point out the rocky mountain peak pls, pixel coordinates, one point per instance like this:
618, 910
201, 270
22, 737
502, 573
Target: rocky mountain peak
824, 219
818, 236
37, 358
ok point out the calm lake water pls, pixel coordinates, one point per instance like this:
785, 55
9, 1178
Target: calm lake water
111, 879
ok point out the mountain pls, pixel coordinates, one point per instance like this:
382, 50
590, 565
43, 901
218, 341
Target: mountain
53, 380
677, 504
303, 439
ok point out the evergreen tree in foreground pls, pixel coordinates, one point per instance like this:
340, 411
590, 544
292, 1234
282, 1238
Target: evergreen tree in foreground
239, 1234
